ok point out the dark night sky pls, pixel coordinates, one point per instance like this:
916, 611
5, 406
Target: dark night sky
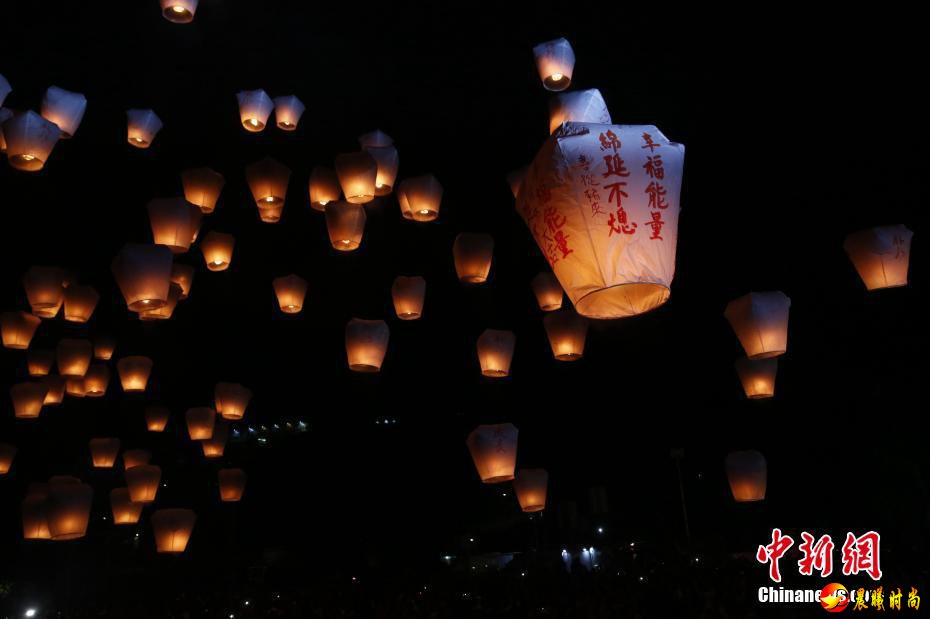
794, 138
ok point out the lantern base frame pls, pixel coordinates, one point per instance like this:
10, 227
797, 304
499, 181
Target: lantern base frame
570, 356
26, 162
497, 480
364, 368
557, 85
622, 300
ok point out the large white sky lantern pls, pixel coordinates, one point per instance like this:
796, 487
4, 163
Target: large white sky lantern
602, 204
141, 127
880, 255
29, 140
760, 321
64, 108
555, 61
254, 109
578, 106
287, 112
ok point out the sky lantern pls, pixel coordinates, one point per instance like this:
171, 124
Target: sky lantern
7, 454
345, 224
614, 260
165, 311
183, 276
254, 109
134, 372
324, 187
200, 422
45, 290
17, 329
555, 61
55, 386
402, 201
358, 173
567, 332
268, 183
103, 452
757, 376
142, 482
80, 302
423, 195
290, 291
141, 127
143, 273
408, 294
74, 357
96, 380
515, 180
578, 106
136, 457
74, 386
494, 451
747, 473
156, 418
34, 510
287, 112
387, 161
217, 249
495, 352
202, 187
104, 347
65, 109
880, 255
548, 291
39, 362
29, 140
215, 446
231, 400
375, 139
366, 344
173, 528
69, 505
530, 486
179, 11
172, 221
472, 254
124, 510
760, 321
232, 484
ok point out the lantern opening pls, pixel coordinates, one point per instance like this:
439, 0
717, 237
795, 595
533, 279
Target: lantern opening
622, 300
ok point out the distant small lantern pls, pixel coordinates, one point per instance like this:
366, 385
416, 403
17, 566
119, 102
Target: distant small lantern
760, 321
123, 508
515, 180
323, 187
287, 112
747, 473
215, 446
567, 332
555, 61
172, 222
578, 106
7, 454
104, 347
69, 509
39, 362
423, 195
17, 329
45, 290
143, 273
56, 386
290, 291
202, 187
65, 109
142, 482
345, 224
881, 255
167, 310
179, 11
358, 174
494, 451
495, 352
530, 486
141, 127
173, 529
408, 294
217, 249
232, 399
267, 181
548, 291
134, 372
757, 376
80, 302
136, 457
74, 387
375, 139
200, 422
29, 140
96, 380
232, 484
387, 161
156, 418
103, 452
254, 109
74, 357
366, 344
183, 276
473, 254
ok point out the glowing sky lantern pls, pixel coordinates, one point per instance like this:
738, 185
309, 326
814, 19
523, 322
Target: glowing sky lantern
17, 329
135, 457
28, 399
143, 273
39, 362
747, 473
358, 173
141, 127
493, 449
254, 109
64, 108
548, 291
323, 187
567, 332
473, 254
757, 376
29, 140
366, 344
290, 291
156, 418
104, 347
760, 321
45, 290
179, 11
56, 386
381, 146
134, 373
69, 504
530, 486
287, 112
408, 294
555, 61
80, 302
217, 249
96, 380
231, 400
345, 224
232, 484
73, 356
495, 352
202, 187
612, 247
34, 510
103, 452
268, 183
200, 422
123, 509
165, 311
881, 255
172, 223
173, 529
7, 454
215, 446
142, 482
183, 276
423, 195
578, 106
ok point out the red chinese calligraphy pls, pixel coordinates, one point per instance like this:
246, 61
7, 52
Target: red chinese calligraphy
654, 167
554, 222
647, 139
656, 224
816, 555
609, 141
656, 194
615, 166
861, 554
773, 552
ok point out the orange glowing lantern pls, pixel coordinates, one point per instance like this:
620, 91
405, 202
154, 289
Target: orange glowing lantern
324, 187
39, 362
65, 109
555, 61
747, 473
202, 187
124, 510
232, 484
757, 376
760, 321
143, 273
267, 181
167, 310
103, 452
287, 112
156, 418
215, 446
495, 352
80, 302
548, 291
134, 372
358, 176
56, 386
173, 223
96, 380
29, 140
530, 486
217, 249
408, 294
142, 482
45, 290
17, 329
173, 528
183, 276
69, 503
881, 255
578, 106
567, 332
254, 109
366, 344
290, 291
179, 11
231, 400
141, 127
104, 347
380, 146
7, 454
74, 387
200, 422
515, 180
473, 254
136, 457
345, 224
35, 513
494, 450
74, 357
423, 195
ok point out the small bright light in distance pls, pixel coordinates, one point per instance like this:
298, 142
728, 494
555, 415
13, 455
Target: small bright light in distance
600, 530
30, 612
